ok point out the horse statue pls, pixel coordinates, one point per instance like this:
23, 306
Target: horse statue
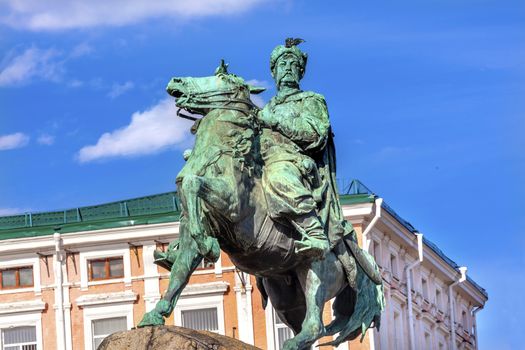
223, 207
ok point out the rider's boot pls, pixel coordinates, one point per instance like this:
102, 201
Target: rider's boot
314, 243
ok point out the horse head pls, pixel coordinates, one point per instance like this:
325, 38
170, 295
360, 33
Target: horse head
222, 90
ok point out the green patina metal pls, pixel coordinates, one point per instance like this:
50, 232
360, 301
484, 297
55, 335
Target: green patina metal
260, 184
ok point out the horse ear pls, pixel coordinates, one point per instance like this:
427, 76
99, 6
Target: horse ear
222, 68
256, 89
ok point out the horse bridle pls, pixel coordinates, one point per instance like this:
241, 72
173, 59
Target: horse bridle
228, 100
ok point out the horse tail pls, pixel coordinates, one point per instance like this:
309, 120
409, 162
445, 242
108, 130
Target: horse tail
368, 302
364, 260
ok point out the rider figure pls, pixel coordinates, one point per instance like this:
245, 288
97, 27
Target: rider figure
294, 138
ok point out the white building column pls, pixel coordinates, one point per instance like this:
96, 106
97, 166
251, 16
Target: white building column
58, 268
151, 276
68, 327
243, 292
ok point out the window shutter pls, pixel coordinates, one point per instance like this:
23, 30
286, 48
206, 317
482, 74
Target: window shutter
201, 319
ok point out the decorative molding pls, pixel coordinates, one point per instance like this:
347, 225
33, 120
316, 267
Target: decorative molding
106, 298
92, 237
22, 306
205, 288
248, 288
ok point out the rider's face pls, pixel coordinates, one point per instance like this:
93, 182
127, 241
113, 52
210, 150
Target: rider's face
287, 71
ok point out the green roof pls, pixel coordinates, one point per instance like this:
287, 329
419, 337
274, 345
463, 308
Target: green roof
157, 208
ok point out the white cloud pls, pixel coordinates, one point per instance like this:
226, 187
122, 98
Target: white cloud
32, 63
258, 100
119, 89
46, 139
81, 50
13, 141
67, 14
11, 211
150, 131
259, 83
75, 83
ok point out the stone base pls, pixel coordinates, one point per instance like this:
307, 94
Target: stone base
172, 338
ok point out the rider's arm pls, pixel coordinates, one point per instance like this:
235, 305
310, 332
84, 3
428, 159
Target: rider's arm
265, 118
309, 129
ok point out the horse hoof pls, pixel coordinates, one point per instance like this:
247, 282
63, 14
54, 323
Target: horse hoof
151, 318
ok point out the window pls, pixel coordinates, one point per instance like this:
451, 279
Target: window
201, 319
424, 288
281, 330
376, 253
19, 338
398, 332
16, 277
205, 265
104, 327
203, 308
439, 301
464, 320
393, 265
107, 268
428, 342
106, 317
105, 264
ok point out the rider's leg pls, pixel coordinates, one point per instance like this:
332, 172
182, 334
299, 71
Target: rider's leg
314, 242
289, 198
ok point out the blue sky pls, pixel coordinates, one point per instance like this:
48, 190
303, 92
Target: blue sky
426, 99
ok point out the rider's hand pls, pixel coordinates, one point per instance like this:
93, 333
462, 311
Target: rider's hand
265, 119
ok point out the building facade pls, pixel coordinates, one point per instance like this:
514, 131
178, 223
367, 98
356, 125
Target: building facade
70, 278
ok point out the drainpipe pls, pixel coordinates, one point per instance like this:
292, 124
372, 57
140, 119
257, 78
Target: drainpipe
366, 245
474, 312
364, 235
59, 293
408, 270
462, 277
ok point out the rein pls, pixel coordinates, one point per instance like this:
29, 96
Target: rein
211, 103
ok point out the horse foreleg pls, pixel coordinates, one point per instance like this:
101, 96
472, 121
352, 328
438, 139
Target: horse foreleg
194, 243
312, 327
187, 259
216, 194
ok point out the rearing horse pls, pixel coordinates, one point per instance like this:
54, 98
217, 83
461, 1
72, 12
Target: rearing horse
223, 205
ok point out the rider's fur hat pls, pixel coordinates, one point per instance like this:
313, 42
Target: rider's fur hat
289, 47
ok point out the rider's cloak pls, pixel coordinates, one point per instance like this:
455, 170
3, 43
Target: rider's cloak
299, 134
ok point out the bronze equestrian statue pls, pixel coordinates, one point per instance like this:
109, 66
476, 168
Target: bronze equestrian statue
260, 185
